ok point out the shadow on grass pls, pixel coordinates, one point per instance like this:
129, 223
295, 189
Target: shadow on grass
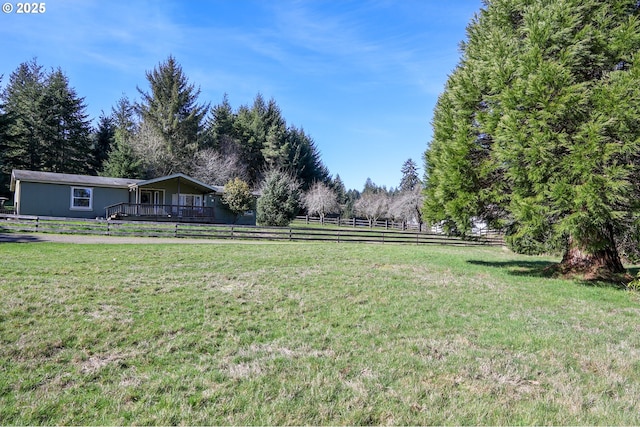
8, 237
548, 269
521, 268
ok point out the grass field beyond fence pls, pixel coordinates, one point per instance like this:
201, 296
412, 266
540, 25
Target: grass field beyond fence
287, 333
298, 231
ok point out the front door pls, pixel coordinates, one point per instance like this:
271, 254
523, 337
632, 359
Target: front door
152, 201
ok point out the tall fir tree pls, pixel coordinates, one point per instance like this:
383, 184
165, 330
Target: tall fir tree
172, 111
103, 141
67, 128
23, 100
50, 129
410, 179
219, 133
259, 138
537, 129
304, 159
123, 161
5, 141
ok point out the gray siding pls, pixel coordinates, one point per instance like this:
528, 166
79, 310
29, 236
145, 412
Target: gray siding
55, 200
225, 216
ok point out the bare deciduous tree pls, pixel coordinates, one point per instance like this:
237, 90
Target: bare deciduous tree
321, 200
212, 167
373, 205
151, 148
406, 206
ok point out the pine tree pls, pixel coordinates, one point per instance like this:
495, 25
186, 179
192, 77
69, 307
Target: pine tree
410, 179
304, 159
171, 110
341, 191
50, 129
275, 150
220, 128
67, 127
103, 142
537, 129
258, 137
280, 199
24, 103
6, 121
249, 131
123, 162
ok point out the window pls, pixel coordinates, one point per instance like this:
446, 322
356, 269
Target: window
190, 200
81, 198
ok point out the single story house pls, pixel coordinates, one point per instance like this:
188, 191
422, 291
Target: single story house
176, 197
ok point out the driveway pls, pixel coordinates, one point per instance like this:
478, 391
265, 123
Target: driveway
94, 239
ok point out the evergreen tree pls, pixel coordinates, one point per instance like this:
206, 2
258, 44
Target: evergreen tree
49, 130
275, 150
410, 178
250, 133
258, 138
5, 141
171, 110
123, 162
103, 141
304, 159
67, 127
537, 129
341, 191
24, 103
220, 128
280, 199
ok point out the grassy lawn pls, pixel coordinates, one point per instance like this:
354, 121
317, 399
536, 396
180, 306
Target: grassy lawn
309, 334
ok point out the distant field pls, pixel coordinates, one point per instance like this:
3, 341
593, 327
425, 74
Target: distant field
284, 333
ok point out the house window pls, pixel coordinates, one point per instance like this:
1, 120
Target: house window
81, 198
190, 200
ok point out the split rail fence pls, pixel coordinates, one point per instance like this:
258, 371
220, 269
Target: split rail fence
34, 224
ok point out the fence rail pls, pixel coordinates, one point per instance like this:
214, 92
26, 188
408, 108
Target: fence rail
13, 223
389, 225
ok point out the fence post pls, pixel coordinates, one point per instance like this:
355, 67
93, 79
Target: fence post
37, 222
290, 236
232, 237
354, 222
175, 231
108, 228
307, 218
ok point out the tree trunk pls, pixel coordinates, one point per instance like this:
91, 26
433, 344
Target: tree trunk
593, 264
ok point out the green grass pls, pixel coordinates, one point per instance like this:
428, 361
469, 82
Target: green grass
309, 334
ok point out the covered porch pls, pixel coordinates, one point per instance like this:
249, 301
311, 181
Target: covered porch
175, 197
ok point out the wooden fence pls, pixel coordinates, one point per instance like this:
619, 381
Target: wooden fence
389, 225
11, 223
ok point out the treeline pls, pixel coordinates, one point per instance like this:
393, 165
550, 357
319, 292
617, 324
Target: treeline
282, 199
44, 126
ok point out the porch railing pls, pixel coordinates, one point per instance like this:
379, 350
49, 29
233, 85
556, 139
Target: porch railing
123, 210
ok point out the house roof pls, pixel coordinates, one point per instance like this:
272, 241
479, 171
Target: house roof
194, 182
69, 179
102, 181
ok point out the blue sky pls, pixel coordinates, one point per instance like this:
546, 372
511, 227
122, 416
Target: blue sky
360, 77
